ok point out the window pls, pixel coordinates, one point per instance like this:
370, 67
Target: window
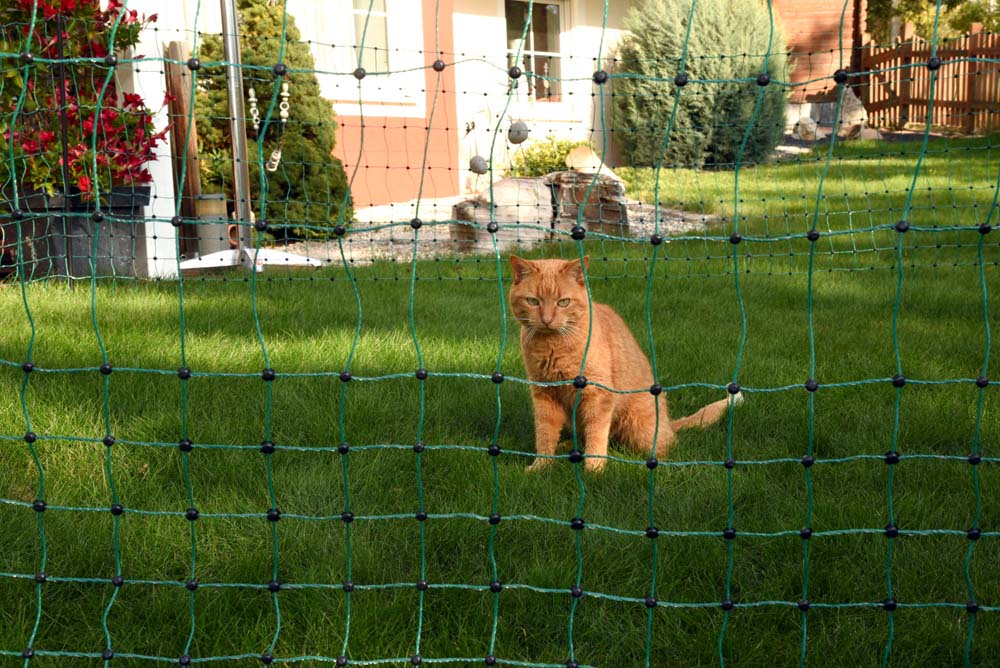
539, 48
375, 55
334, 28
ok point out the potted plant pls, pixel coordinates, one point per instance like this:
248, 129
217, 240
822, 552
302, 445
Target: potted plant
61, 118
214, 204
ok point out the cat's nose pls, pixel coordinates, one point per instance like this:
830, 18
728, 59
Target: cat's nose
546, 321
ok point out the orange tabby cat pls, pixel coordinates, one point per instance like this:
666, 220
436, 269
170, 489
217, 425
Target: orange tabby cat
549, 299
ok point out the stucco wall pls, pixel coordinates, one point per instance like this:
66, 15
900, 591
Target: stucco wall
481, 80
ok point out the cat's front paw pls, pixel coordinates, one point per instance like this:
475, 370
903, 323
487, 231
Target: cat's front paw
595, 464
539, 464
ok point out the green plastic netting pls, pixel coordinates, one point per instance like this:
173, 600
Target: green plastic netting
928, 205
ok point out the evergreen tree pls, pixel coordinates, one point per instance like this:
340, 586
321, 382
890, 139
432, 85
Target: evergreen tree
729, 39
956, 16
309, 185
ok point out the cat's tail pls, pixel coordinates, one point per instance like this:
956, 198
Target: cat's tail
707, 415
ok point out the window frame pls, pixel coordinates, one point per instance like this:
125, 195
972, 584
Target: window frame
356, 39
398, 94
527, 51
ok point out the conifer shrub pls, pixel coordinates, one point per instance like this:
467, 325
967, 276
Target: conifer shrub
307, 190
729, 39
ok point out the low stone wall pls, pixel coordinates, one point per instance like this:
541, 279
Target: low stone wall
530, 210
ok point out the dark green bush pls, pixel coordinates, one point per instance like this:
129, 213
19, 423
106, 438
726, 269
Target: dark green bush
729, 39
309, 186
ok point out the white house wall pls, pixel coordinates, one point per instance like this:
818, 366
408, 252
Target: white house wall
481, 80
175, 22
328, 24
480, 62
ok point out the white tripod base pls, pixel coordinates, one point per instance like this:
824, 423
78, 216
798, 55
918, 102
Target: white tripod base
259, 260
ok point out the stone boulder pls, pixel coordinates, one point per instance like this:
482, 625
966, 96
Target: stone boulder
604, 209
527, 200
530, 209
852, 114
516, 202
805, 129
870, 134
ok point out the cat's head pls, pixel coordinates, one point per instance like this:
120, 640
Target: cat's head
550, 295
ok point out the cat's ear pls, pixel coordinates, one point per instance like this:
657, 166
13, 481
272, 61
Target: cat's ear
521, 268
575, 269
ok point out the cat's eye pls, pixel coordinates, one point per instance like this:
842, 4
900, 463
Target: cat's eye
563, 302
532, 301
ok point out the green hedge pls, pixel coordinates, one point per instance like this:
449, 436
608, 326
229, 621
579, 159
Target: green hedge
309, 186
728, 41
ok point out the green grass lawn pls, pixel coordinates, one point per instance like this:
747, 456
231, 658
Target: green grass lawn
864, 190
864, 194
862, 175
308, 328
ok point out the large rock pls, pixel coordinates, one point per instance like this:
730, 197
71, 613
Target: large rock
529, 210
805, 129
516, 202
852, 114
602, 201
583, 159
870, 134
526, 200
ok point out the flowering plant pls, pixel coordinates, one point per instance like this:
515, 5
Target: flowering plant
103, 125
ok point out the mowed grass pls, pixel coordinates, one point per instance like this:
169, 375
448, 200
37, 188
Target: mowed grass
867, 187
308, 327
862, 178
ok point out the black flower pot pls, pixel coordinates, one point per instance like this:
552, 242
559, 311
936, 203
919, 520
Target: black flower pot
52, 223
120, 234
36, 239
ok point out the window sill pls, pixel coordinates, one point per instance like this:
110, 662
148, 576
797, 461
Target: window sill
400, 107
554, 112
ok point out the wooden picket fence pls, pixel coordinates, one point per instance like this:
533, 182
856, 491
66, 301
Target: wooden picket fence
896, 86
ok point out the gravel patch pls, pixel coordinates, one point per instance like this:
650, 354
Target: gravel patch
435, 241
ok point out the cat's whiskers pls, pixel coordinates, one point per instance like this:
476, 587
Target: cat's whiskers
570, 324
568, 329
